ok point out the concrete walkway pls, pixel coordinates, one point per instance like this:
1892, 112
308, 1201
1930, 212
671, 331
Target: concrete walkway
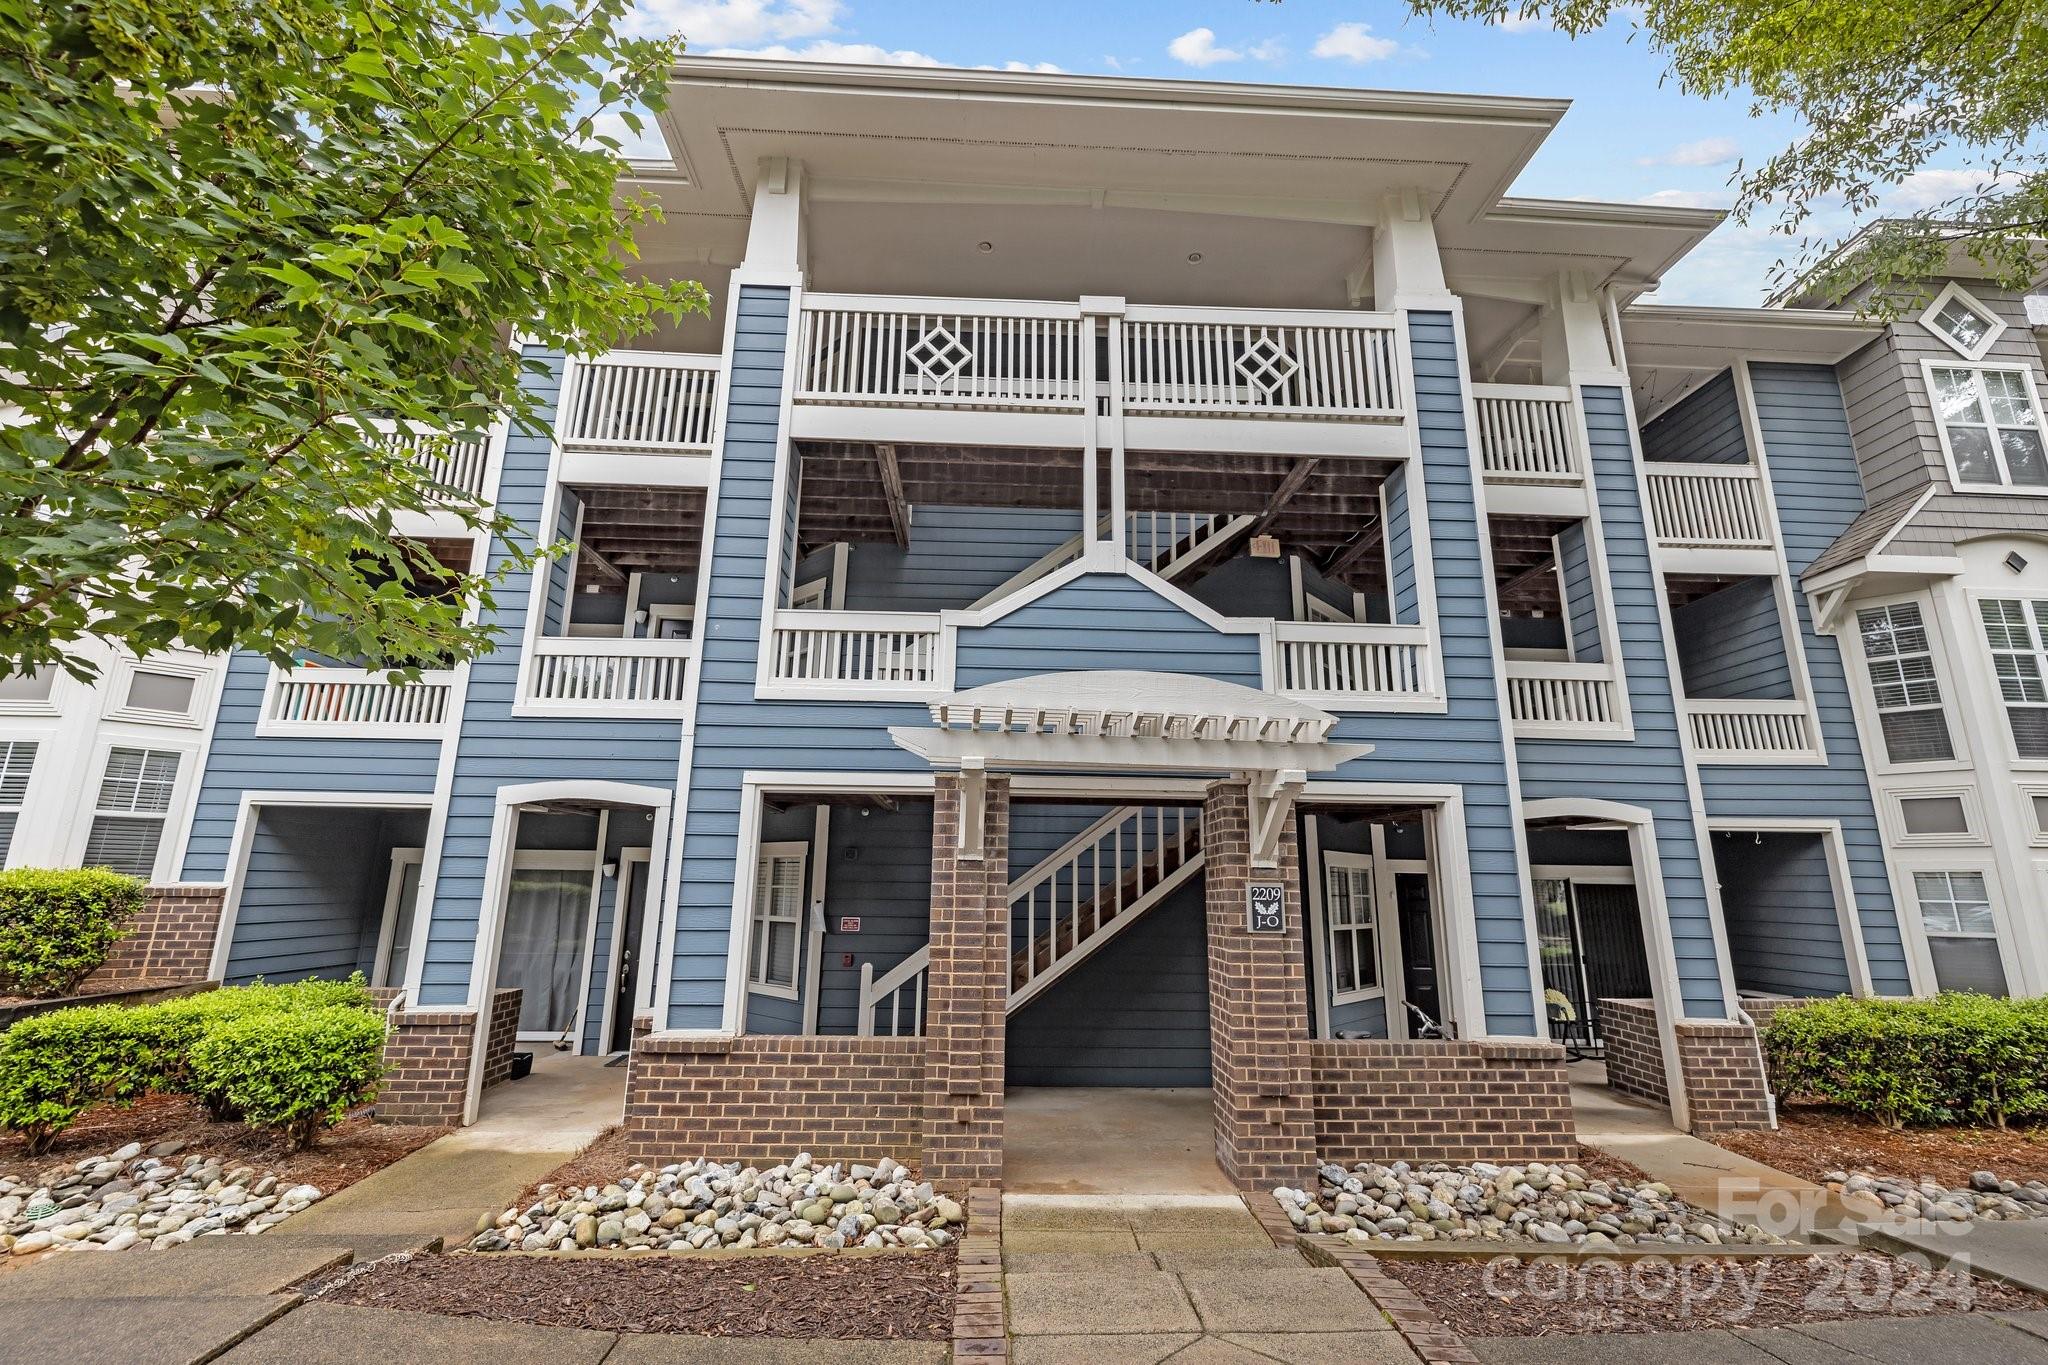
527, 1128
1131, 1281
1108, 1140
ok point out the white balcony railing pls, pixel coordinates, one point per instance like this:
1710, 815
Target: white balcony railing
1527, 434
1352, 662
600, 674
1708, 506
1561, 699
639, 401
1266, 364
1749, 731
355, 703
939, 352
855, 651
446, 459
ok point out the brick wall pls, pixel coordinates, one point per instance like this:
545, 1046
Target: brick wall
1441, 1101
1258, 1006
764, 1098
503, 1038
967, 992
426, 1067
1635, 1059
1725, 1087
170, 939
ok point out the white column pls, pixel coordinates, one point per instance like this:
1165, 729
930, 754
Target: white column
775, 234
1407, 268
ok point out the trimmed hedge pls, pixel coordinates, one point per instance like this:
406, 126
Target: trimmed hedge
55, 1066
1957, 1058
57, 925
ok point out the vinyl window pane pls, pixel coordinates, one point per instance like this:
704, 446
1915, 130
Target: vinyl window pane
126, 844
2025, 461
169, 692
1955, 397
1974, 461
1963, 324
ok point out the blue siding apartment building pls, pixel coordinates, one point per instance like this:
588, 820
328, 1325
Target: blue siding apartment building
1063, 451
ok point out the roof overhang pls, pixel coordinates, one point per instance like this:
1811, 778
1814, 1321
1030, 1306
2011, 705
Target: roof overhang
1128, 721
1671, 349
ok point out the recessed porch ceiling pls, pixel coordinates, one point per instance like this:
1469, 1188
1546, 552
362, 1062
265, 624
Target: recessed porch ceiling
638, 530
1525, 564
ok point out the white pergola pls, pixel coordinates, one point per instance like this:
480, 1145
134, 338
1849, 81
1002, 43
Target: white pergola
1129, 721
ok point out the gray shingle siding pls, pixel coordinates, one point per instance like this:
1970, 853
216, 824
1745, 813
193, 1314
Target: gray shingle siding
1648, 771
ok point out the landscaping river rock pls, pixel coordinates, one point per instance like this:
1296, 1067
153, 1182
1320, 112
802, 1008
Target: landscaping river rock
1533, 1202
132, 1198
1987, 1199
712, 1206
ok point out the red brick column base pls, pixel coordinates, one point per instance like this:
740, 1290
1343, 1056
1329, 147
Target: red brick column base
1258, 1006
1441, 1101
503, 1038
763, 1098
170, 939
426, 1066
967, 991
1720, 1063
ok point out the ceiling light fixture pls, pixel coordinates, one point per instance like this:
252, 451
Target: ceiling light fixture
1194, 258
984, 247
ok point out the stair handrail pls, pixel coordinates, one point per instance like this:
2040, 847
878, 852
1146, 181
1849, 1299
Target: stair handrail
875, 989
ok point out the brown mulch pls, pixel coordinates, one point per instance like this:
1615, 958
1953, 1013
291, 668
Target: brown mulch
1812, 1140
1506, 1297
343, 1154
1599, 1165
602, 1161
889, 1296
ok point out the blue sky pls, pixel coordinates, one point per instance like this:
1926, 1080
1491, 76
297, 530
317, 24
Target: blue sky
1630, 135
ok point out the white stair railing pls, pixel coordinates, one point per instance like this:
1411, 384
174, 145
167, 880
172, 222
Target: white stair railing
639, 401
1526, 433
1740, 731
600, 674
1708, 506
1093, 887
1169, 543
896, 997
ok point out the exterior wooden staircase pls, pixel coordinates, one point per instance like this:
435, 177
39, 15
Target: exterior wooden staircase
1168, 543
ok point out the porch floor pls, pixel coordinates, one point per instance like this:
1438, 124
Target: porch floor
1101, 1140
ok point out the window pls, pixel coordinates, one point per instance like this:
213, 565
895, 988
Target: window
1901, 665
1954, 903
1990, 427
1934, 815
1965, 324
17, 760
2014, 636
28, 691
2040, 813
128, 818
167, 692
1352, 926
810, 596
778, 912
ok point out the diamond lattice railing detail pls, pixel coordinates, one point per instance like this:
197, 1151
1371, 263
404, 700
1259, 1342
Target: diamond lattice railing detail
939, 356
1267, 367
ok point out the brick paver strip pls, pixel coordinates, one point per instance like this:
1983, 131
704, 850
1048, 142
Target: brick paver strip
980, 1331
1425, 1333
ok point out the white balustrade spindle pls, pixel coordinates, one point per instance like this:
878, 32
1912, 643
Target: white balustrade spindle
1740, 729
1562, 696
856, 649
1526, 434
630, 401
588, 673
1354, 662
1708, 506
349, 701
911, 352
1189, 361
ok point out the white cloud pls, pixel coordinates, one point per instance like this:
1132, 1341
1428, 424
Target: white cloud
1689, 199
1354, 42
825, 50
1197, 47
1521, 23
1930, 188
1708, 151
645, 145
706, 24
1042, 68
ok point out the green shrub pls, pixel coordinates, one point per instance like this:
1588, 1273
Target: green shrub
295, 1071
57, 925
1957, 1058
55, 1066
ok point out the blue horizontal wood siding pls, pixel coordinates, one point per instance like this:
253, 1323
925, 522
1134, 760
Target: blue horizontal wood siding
1581, 602
1731, 646
1648, 771
496, 748
1778, 899
1812, 466
1704, 427
1102, 621
1403, 600
242, 761
957, 555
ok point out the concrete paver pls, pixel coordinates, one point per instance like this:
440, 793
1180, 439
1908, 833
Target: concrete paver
1110, 1141
1647, 1348
1281, 1301
1972, 1339
1251, 1238
211, 1267
337, 1334
1268, 1258
1326, 1348
1079, 1262
1084, 1305
160, 1331
1143, 1349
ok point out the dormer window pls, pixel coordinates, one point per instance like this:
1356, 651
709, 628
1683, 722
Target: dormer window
1965, 324
1990, 424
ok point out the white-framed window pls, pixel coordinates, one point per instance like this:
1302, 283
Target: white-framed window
1967, 326
1936, 815
401, 914
157, 692
2034, 799
1955, 904
30, 694
1989, 418
811, 596
2015, 628
17, 762
1351, 922
670, 620
1903, 681
133, 805
779, 889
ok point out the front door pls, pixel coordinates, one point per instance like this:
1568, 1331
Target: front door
626, 982
1418, 946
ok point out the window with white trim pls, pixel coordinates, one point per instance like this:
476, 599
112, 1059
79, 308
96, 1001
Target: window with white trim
1990, 426
1903, 680
133, 805
778, 918
1965, 324
17, 761
1353, 927
2015, 629
1954, 904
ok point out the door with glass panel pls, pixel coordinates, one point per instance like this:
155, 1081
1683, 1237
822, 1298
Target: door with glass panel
547, 922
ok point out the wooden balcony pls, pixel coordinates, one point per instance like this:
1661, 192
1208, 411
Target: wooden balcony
1564, 700
617, 677
354, 703
639, 402
1737, 731
1708, 507
1528, 434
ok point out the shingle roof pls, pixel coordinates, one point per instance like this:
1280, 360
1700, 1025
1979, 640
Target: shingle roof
1865, 532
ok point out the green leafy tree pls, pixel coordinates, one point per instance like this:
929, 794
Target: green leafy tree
238, 235
1881, 87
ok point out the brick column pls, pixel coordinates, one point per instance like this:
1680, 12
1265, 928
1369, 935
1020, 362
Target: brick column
967, 993
1258, 1006
170, 939
426, 1066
